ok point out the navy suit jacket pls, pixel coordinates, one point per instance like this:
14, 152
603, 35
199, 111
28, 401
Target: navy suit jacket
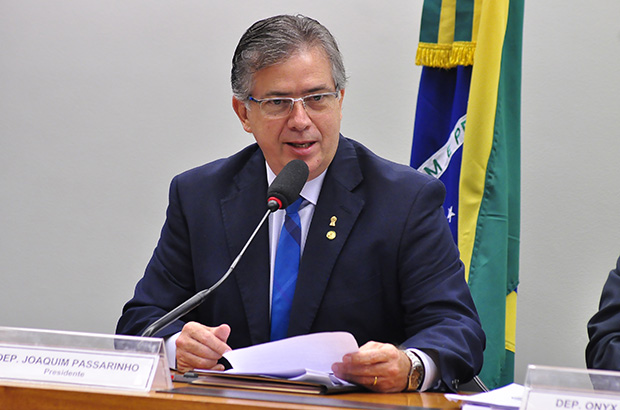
392, 274
603, 350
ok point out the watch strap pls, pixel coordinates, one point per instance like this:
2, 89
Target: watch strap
416, 372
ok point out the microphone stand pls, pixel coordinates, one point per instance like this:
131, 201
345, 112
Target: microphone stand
199, 297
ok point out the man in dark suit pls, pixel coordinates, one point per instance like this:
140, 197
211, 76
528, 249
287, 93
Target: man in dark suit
378, 259
603, 350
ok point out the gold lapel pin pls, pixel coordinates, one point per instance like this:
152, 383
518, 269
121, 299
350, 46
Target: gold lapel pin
331, 235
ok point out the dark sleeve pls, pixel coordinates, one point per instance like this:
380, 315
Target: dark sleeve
603, 350
440, 314
168, 279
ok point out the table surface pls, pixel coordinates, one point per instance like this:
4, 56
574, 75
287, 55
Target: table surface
20, 395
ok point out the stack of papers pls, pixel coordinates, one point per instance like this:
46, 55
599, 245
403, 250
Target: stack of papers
300, 364
307, 358
504, 398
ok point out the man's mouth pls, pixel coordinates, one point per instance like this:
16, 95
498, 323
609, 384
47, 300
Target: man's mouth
297, 145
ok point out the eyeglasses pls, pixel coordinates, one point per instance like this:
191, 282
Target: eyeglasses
282, 106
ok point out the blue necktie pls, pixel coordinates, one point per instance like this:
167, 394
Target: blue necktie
285, 271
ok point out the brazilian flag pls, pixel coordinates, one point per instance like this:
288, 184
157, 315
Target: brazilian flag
467, 134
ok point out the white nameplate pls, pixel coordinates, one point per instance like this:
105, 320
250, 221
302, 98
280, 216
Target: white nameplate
124, 370
538, 400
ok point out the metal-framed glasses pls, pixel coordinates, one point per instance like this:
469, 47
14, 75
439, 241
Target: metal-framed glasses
279, 107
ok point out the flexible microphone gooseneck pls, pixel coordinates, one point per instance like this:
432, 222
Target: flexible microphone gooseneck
283, 191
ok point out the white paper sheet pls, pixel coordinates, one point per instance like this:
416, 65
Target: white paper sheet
301, 358
316, 351
507, 397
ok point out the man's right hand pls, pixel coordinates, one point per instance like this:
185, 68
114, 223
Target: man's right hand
200, 347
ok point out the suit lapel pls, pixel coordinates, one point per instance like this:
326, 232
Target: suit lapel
321, 252
242, 210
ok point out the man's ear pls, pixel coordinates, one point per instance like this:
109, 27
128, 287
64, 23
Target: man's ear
340, 101
242, 112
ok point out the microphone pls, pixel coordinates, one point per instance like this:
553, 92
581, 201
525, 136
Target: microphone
283, 191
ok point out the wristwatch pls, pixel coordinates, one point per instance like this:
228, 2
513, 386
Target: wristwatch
416, 373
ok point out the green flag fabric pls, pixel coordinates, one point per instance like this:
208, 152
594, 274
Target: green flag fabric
467, 133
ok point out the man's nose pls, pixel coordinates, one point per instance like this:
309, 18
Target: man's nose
299, 116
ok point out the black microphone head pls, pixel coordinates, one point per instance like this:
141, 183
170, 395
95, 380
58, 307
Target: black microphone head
285, 189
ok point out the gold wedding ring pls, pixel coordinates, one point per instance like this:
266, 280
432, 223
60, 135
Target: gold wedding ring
375, 382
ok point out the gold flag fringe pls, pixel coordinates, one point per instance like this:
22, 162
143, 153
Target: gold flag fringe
445, 55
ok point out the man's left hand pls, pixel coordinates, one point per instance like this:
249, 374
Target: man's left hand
380, 367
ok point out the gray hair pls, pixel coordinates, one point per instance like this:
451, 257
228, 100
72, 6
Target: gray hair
275, 39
